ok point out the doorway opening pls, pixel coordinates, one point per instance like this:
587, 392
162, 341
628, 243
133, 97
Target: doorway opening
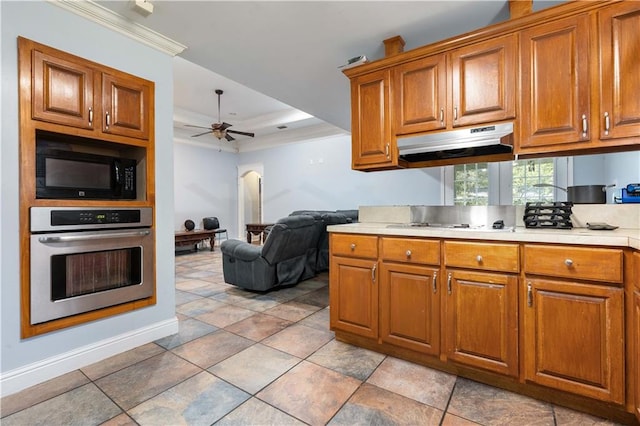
250, 196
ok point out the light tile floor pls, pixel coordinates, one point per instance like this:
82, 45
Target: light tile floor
242, 358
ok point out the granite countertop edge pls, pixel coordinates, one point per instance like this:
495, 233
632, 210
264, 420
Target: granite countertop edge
575, 236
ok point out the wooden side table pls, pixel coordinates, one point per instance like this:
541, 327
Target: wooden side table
257, 229
183, 238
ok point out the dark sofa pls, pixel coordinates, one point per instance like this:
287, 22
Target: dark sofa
296, 249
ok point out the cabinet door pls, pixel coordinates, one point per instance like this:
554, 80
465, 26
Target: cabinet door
372, 145
484, 82
574, 339
636, 320
482, 320
555, 85
126, 103
410, 308
420, 90
62, 91
619, 115
353, 296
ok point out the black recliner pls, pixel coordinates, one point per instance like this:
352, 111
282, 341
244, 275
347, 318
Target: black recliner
282, 260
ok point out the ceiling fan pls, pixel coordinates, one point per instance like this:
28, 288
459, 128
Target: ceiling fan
220, 129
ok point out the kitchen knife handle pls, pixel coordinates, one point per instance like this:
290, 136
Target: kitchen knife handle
529, 295
607, 123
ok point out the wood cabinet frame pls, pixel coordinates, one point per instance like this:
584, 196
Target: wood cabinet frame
69, 121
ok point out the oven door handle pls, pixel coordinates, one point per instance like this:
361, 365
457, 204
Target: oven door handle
92, 236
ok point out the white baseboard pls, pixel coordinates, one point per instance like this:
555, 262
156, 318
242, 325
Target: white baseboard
21, 378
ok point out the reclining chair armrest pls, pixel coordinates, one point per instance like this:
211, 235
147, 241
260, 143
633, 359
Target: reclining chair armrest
241, 250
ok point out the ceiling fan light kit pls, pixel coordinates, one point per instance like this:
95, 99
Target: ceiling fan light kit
220, 129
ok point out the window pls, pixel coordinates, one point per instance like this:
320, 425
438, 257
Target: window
506, 183
471, 184
527, 175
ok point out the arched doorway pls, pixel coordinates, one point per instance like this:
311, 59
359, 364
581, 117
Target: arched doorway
250, 184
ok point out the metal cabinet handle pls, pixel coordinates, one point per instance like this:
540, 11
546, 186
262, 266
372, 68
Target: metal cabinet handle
353, 246
455, 114
479, 259
108, 120
442, 115
529, 295
449, 284
90, 115
607, 123
408, 253
386, 150
568, 262
435, 282
584, 125
373, 272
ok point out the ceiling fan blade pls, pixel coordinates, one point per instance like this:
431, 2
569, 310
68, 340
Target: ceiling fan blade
224, 126
200, 134
241, 133
229, 137
199, 127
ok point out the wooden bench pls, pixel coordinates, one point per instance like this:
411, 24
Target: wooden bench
184, 238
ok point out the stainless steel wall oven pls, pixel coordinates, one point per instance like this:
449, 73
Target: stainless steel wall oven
88, 258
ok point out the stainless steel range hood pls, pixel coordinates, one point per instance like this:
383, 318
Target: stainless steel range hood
478, 141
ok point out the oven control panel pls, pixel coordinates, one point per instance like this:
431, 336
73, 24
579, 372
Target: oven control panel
88, 217
45, 219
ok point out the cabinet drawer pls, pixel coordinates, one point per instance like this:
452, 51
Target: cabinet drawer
574, 262
354, 245
486, 256
411, 250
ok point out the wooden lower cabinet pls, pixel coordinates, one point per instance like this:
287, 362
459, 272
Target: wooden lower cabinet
636, 320
481, 325
410, 307
353, 295
574, 338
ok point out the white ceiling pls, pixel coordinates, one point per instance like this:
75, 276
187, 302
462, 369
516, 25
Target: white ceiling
270, 57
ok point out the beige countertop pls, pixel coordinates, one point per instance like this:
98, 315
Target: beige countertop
577, 236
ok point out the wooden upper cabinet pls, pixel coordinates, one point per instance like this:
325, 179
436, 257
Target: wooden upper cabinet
62, 90
619, 42
126, 106
555, 83
372, 143
70, 91
483, 78
419, 95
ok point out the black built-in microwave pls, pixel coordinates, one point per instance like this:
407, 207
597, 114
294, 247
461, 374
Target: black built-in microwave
78, 175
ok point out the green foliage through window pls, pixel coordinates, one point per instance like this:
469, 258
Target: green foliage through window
471, 184
526, 174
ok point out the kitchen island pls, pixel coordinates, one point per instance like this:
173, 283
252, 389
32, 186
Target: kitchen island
544, 312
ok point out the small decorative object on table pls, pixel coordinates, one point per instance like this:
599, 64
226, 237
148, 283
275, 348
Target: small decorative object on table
189, 225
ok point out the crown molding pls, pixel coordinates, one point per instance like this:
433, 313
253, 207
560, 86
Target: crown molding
107, 18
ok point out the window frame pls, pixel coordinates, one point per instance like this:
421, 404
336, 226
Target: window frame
501, 181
